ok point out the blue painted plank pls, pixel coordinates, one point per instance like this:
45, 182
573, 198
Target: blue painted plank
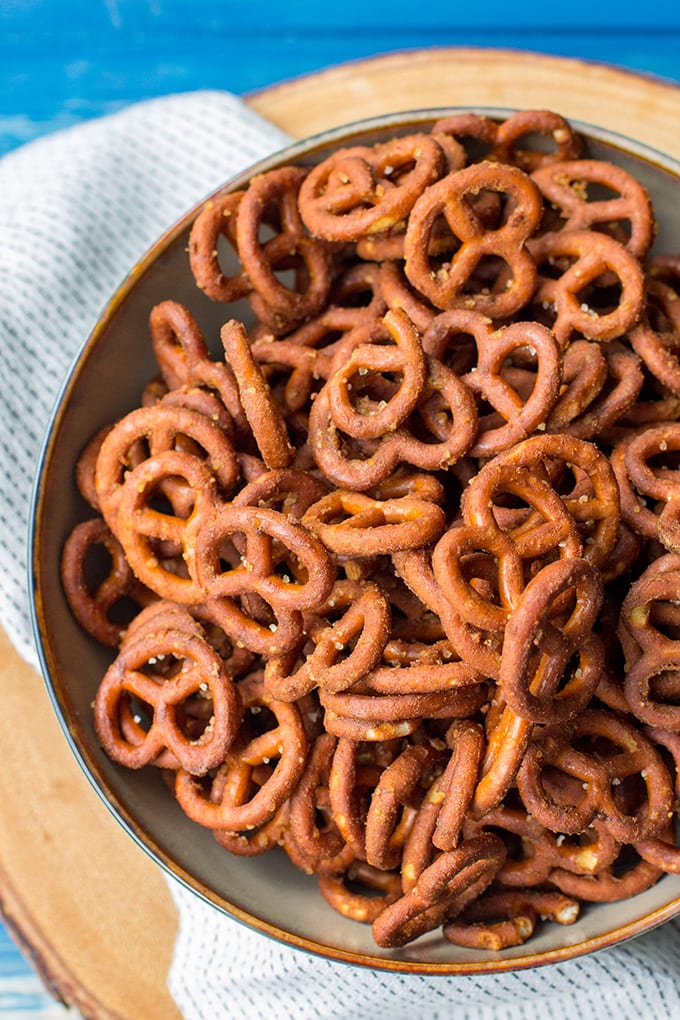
202, 17
46, 88
22, 994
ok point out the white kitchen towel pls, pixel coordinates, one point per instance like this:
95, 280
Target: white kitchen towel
77, 209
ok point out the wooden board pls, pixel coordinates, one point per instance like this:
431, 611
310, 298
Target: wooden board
90, 908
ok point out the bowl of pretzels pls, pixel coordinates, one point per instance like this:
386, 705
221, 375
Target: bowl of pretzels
354, 544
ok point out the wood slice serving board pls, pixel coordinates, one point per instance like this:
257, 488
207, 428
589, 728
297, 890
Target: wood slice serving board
90, 908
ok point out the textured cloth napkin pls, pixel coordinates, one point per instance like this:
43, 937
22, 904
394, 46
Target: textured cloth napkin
77, 209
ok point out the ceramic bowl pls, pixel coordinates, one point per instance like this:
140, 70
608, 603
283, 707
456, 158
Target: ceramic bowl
266, 892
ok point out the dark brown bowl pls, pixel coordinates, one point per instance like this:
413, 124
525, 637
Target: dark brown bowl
266, 892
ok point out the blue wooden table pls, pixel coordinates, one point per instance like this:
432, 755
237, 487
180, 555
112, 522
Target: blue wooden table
64, 61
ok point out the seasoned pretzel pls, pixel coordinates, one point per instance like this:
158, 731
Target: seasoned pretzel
593, 502
261, 528
382, 888
133, 675
183, 358
486, 377
565, 186
366, 191
591, 255
607, 886
393, 805
324, 846
370, 419
455, 422
141, 527
262, 413
217, 219
240, 808
448, 561
445, 886
372, 526
628, 753
527, 682
164, 429
525, 123
480, 925
363, 627
446, 287
90, 605
278, 191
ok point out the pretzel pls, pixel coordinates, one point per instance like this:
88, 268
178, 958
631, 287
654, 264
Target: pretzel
486, 377
260, 528
202, 671
382, 888
91, 607
565, 186
372, 526
631, 754
445, 287
455, 435
625, 373
393, 805
406, 358
479, 927
593, 503
217, 219
262, 413
590, 255
278, 189
529, 122
445, 886
608, 886
362, 190
164, 428
365, 621
182, 355
529, 683
239, 808
324, 845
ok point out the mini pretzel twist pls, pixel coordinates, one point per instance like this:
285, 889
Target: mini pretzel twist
446, 886
278, 191
363, 628
164, 429
261, 528
446, 286
182, 355
525, 123
371, 526
528, 682
519, 416
241, 807
498, 920
367, 191
90, 605
453, 424
589, 256
406, 359
264, 416
133, 674
565, 186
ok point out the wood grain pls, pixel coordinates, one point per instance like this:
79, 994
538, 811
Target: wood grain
645, 108
90, 908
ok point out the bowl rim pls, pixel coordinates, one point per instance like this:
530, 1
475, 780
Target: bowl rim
306, 147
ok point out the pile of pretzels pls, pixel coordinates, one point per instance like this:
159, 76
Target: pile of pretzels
392, 582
